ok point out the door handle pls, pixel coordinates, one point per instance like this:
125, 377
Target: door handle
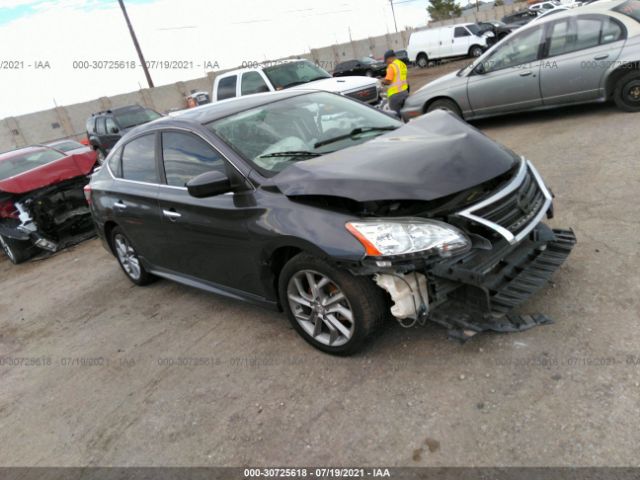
171, 214
601, 57
525, 74
120, 204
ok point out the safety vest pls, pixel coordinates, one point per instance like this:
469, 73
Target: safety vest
399, 83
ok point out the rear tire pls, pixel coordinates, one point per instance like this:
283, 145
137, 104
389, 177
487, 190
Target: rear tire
18, 251
445, 104
128, 259
627, 92
422, 61
330, 308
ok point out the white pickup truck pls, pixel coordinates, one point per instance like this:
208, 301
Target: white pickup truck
290, 74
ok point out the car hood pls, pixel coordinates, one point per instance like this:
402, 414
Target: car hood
338, 84
58, 171
438, 82
431, 157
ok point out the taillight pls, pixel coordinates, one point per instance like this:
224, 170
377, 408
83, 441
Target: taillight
87, 193
8, 210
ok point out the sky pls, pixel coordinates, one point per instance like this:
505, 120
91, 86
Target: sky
52, 52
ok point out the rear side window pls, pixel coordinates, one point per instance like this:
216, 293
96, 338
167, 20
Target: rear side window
630, 8
461, 32
611, 31
111, 125
572, 35
252, 82
115, 165
227, 87
91, 124
186, 156
138, 160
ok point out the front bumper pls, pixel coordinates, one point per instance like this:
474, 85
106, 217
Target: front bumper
408, 113
476, 291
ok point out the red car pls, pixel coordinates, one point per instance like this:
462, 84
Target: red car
42, 203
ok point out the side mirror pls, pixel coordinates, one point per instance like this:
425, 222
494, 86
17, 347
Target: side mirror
209, 184
479, 69
115, 129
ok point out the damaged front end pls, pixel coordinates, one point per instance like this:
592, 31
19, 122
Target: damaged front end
51, 218
491, 255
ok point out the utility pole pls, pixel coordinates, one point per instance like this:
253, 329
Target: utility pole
394, 15
136, 44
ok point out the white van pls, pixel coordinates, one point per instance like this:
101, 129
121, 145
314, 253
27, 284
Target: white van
449, 41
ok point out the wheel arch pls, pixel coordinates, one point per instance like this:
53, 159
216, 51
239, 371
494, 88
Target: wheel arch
429, 102
109, 225
617, 74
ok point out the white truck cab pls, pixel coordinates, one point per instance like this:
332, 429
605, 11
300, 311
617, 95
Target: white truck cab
291, 74
462, 39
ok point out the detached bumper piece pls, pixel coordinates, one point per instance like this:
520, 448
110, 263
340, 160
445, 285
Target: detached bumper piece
496, 281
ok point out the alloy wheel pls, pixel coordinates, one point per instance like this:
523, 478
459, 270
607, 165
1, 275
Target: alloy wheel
127, 257
320, 308
7, 250
632, 92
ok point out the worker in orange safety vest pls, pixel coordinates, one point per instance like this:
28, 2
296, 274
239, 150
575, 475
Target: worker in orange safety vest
396, 78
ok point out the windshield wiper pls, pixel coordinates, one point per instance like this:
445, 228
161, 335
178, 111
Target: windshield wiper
291, 153
352, 133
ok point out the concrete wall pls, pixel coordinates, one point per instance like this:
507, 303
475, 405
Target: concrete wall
68, 121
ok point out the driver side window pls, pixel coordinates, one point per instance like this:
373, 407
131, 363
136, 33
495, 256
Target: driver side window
521, 49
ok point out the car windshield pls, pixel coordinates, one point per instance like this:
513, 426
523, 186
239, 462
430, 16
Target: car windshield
18, 164
276, 135
631, 8
291, 74
136, 117
473, 28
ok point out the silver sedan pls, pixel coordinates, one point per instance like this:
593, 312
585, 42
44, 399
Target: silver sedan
588, 54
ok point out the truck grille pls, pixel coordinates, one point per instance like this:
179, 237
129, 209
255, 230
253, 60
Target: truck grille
517, 208
368, 94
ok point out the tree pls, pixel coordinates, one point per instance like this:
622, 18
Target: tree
443, 9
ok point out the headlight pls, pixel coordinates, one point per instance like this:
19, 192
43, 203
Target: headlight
382, 237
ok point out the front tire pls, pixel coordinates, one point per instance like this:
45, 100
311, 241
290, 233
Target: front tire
18, 251
627, 92
445, 104
128, 259
331, 309
475, 51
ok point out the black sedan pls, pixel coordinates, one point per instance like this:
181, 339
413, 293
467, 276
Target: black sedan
363, 66
334, 212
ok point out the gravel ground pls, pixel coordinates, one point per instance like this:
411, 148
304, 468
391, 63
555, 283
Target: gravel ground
96, 371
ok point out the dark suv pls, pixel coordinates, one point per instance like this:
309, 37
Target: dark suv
104, 129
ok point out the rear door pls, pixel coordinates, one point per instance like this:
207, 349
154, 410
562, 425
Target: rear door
578, 53
133, 195
203, 238
112, 133
510, 81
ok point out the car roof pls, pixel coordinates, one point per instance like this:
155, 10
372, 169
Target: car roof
223, 108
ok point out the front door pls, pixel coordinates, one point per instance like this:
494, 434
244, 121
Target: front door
204, 238
510, 78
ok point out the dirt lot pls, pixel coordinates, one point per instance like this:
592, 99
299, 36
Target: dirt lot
96, 371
